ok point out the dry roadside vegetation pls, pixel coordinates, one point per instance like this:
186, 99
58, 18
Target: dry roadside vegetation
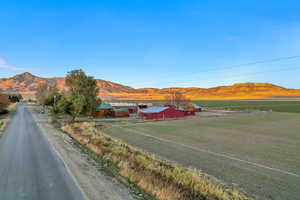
2, 126
164, 179
4, 103
3, 119
6, 106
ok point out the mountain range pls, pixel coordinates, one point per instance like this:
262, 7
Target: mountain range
26, 83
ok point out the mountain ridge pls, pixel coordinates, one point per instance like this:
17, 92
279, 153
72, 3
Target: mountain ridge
27, 83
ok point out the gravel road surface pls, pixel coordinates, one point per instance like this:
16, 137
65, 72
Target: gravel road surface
29, 168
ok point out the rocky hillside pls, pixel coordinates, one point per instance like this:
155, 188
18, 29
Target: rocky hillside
27, 83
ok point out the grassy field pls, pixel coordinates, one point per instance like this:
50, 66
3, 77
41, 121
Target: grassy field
277, 106
257, 151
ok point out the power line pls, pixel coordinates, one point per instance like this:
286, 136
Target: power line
225, 68
248, 74
228, 77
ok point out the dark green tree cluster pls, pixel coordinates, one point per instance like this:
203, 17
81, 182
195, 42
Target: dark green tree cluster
15, 98
80, 99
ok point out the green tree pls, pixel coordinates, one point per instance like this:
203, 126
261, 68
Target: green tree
83, 93
64, 105
48, 95
41, 93
15, 97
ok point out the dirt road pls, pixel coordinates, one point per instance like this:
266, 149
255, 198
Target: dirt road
39, 162
29, 167
95, 184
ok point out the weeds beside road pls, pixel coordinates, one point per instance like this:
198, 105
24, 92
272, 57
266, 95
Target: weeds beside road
161, 178
4, 117
2, 126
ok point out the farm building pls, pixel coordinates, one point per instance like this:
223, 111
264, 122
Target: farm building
169, 105
157, 112
104, 110
188, 111
132, 107
121, 112
197, 108
144, 105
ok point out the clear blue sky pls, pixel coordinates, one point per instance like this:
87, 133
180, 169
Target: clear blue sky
153, 43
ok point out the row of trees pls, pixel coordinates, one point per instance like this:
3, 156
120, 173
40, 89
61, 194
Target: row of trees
15, 97
81, 98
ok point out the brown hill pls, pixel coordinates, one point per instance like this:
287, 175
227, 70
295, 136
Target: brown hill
27, 83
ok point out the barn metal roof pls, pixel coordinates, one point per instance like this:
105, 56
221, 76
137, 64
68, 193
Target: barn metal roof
104, 106
146, 104
123, 104
121, 109
154, 109
181, 108
197, 106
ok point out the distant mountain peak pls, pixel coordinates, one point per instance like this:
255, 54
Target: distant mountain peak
27, 74
24, 76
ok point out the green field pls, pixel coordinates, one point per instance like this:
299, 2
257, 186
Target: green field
257, 151
277, 106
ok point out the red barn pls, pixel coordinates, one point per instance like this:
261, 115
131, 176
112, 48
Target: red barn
189, 113
157, 112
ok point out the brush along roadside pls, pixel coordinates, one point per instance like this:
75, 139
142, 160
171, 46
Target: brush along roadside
12, 107
164, 179
4, 117
2, 126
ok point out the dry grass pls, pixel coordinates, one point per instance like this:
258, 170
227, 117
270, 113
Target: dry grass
2, 126
164, 179
12, 107
3, 119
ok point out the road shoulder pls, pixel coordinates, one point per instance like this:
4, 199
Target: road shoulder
4, 118
93, 183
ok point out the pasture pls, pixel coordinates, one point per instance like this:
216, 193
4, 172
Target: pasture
257, 152
265, 105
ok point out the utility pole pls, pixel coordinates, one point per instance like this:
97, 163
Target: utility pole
171, 97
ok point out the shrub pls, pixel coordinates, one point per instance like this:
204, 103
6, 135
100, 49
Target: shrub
4, 102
